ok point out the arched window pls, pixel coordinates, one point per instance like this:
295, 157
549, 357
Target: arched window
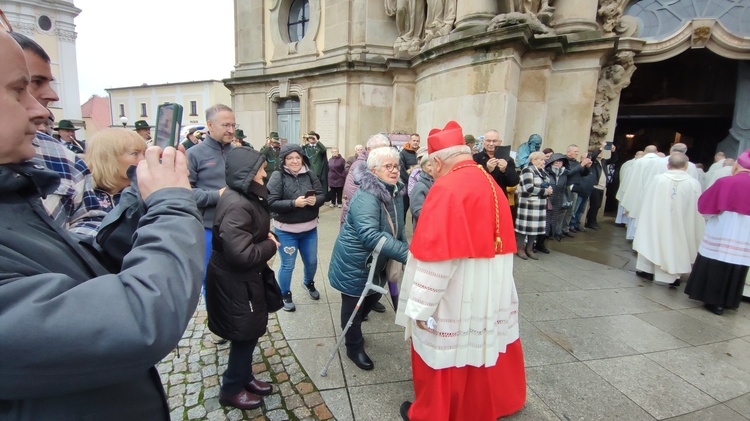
299, 17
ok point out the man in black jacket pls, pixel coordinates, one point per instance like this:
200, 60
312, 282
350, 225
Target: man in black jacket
599, 171
77, 341
502, 169
576, 172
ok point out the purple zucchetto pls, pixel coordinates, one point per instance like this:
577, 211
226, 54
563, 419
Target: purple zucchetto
744, 159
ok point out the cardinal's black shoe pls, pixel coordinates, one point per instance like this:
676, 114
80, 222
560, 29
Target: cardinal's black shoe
404, 410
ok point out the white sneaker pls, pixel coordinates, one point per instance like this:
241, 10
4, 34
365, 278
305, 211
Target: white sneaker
330, 205
339, 205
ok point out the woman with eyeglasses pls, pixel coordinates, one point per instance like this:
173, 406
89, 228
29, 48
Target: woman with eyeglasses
376, 210
295, 197
109, 154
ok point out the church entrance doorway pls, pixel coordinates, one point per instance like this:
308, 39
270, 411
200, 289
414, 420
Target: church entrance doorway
288, 120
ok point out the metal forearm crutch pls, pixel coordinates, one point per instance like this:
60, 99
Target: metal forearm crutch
369, 286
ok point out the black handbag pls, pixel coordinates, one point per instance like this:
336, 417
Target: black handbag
274, 302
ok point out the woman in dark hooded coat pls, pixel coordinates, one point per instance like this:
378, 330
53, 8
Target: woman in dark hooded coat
235, 294
557, 169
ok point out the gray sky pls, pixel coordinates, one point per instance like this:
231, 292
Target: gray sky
157, 41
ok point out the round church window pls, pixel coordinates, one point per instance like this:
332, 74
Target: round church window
299, 18
45, 23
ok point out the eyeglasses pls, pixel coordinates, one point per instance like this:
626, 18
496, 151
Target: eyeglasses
493, 140
391, 167
229, 126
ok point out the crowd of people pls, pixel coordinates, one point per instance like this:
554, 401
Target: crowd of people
214, 212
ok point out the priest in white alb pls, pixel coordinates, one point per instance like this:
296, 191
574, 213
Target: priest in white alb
625, 173
641, 174
670, 228
458, 299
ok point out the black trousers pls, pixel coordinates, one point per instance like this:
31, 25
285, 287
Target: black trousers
595, 203
335, 195
354, 340
239, 370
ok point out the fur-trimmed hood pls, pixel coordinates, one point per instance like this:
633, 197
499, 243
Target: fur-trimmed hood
370, 183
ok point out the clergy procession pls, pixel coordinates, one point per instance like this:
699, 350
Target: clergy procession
665, 209
85, 327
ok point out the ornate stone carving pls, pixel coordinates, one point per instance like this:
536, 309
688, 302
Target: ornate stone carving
419, 22
612, 20
536, 13
700, 36
613, 78
69, 36
25, 28
517, 18
441, 16
410, 21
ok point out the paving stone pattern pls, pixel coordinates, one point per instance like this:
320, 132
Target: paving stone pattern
191, 375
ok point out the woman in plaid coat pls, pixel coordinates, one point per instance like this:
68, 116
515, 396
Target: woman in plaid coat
532, 205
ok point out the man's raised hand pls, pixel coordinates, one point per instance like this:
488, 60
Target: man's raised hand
161, 170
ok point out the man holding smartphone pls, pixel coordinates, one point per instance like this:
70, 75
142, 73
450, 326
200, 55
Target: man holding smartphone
79, 342
206, 165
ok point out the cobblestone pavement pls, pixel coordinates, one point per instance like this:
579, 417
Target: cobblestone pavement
191, 377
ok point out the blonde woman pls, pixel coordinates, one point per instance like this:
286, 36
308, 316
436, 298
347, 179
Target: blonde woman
109, 154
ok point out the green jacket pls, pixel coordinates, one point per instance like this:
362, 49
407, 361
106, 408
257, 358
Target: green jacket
318, 156
272, 158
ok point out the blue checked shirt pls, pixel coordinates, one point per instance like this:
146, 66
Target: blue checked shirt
74, 204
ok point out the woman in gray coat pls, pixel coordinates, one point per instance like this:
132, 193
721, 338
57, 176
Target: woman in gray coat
375, 208
421, 187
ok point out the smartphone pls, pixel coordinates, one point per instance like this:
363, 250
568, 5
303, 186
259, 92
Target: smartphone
168, 122
310, 193
608, 146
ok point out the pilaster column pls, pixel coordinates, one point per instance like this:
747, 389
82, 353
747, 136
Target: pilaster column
475, 13
575, 16
249, 34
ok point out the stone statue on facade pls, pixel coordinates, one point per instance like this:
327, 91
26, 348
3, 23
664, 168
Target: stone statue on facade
410, 22
536, 13
611, 18
441, 16
613, 78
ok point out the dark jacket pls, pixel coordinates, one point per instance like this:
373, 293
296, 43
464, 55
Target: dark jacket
506, 179
560, 185
284, 188
598, 166
366, 222
271, 153
79, 343
206, 165
576, 172
336, 171
419, 194
235, 295
407, 158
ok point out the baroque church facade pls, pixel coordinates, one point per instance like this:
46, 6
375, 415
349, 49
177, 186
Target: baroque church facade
351, 68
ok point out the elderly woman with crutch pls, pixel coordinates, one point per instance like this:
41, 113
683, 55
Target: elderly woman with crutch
375, 211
